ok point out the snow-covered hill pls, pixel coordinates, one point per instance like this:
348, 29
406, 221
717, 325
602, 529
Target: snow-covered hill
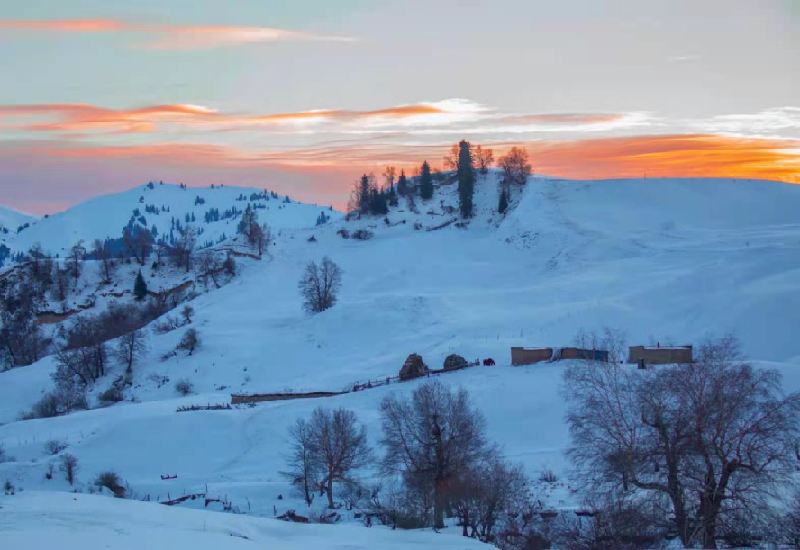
11, 221
661, 260
213, 211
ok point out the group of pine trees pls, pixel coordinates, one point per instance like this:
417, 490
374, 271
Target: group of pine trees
465, 160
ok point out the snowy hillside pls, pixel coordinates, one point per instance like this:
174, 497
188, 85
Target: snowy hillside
11, 219
10, 222
213, 211
667, 261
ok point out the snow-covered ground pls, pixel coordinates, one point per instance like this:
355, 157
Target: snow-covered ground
666, 261
36, 520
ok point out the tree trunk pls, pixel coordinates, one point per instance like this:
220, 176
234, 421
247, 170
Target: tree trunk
329, 491
438, 504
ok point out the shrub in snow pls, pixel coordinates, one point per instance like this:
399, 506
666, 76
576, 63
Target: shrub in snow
184, 387
362, 234
187, 313
69, 465
548, 476
189, 341
166, 324
55, 403
111, 481
55, 446
111, 395
8, 488
4, 456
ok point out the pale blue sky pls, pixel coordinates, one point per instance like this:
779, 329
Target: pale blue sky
721, 67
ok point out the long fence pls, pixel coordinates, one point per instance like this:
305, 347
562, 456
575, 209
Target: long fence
251, 398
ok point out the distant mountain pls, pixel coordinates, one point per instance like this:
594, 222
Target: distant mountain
162, 209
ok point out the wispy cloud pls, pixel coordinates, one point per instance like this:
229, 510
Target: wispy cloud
164, 36
444, 117
769, 121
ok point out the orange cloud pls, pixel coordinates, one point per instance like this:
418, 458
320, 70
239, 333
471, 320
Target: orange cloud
64, 25
92, 118
694, 155
171, 37
629, 157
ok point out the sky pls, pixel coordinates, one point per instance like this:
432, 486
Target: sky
300, 96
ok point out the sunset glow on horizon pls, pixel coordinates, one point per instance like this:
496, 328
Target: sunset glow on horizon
304, 97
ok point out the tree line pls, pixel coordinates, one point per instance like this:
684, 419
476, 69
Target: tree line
435, 462
464, 160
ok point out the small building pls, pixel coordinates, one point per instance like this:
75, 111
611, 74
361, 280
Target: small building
585, 354
659, 355
528, 356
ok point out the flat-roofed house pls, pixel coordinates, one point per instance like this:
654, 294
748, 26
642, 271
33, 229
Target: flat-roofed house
586, 354
528, 356
659, 355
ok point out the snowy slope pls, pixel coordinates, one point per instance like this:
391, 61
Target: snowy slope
661, 260
11, 219
32, 521
105, 216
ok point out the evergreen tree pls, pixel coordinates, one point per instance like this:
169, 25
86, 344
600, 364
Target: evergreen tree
364, 195
402, 183
391, 195
425, 181
249, 219
466, 179
140, 287
377, 202
503, 204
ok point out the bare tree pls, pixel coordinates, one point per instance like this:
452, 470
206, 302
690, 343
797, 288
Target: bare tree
483, 159
208, 267
184, 248
61, 283
130, 347
745, 432
74, 260
516, 166
320, 285
261, 235
339, 446
69, 465
139, 242
487, 493
189, 341
389, 175
103, 255
303, 466
714, 437
430, 439
187, 312
450, 160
